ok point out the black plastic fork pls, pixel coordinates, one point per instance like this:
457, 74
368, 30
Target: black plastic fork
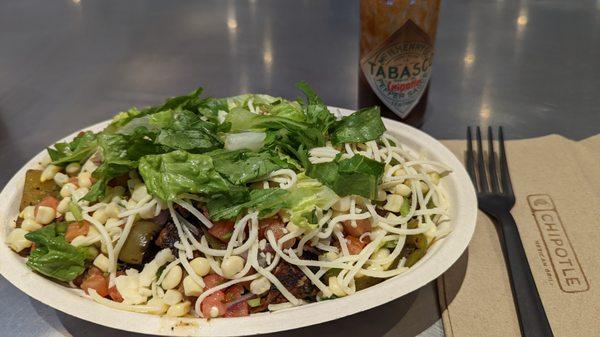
496, 198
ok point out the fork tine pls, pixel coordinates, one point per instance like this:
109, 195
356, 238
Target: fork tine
492, 162
471, 158
504, 175
481, 164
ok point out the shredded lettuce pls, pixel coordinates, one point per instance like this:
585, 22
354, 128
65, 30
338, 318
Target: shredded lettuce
264, 133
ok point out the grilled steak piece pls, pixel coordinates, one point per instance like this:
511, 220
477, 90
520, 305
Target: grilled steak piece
189, 216
294, 280
273, 297
167, 237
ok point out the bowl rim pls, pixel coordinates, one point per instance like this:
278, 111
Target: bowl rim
439, 258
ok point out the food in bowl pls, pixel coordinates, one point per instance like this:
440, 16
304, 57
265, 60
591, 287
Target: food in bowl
225, 207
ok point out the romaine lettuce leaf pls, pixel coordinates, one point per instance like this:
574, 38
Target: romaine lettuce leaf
120, 153
77, 150
293, 132
176, 129
315, 110
55, 257
361, 126
171, 174
191, 102
213, 173
184, 130
300, 202
241, 166
243, 120
304, 197
357, 175
287, 109
265, 201
258, 100
211, 107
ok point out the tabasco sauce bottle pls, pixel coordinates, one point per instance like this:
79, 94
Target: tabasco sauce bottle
396, 55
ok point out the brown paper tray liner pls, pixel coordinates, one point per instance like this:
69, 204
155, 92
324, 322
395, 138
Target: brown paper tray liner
557, 187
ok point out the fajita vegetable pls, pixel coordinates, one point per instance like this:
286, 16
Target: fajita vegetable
224, 207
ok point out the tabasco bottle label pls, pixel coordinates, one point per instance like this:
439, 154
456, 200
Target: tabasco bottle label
398, 70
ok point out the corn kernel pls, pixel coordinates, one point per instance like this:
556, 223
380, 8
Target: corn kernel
394, 203
30, 225
190, 287
73, 168
17, 241
45, 215
49, 172
179, 309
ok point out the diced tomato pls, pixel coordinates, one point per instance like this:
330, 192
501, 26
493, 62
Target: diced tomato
212, 280
234, 292
90, 271
93, 270
115, 294
238, 310
222, 230
354, 245
214, 300
362, 226
268, 223
48, 201
275, 225
76, 229
96, 282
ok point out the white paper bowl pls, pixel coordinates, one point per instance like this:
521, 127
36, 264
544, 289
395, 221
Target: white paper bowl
438, 259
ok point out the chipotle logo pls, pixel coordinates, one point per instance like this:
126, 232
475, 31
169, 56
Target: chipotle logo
564, 262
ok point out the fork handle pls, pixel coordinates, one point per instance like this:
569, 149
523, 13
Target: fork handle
532, 317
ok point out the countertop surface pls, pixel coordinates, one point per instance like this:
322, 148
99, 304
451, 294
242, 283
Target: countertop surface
531, 66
